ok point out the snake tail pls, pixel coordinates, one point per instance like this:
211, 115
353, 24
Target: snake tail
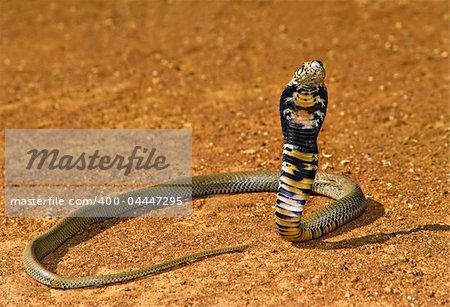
55, 281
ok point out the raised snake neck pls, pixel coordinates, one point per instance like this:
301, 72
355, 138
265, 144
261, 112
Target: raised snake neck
303, 106
298, 178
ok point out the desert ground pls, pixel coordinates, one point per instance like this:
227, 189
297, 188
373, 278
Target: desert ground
218, 68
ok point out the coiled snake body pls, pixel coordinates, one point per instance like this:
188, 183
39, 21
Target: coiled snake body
302, 110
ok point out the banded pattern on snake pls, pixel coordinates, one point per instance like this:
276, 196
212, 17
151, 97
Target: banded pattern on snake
302, 110
303, 105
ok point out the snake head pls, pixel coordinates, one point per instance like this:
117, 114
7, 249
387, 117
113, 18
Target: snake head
311, 72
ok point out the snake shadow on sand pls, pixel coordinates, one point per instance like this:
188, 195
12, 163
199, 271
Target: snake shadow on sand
374, 211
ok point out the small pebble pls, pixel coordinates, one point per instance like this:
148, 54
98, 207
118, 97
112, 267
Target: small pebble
355, 279
282, 28
325, 166
386, 163
317, 280
250, 151
410, 298
388, 212
344, 162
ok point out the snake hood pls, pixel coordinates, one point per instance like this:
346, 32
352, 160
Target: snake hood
303, 105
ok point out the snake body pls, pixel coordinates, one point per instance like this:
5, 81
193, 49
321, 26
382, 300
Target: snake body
303, 105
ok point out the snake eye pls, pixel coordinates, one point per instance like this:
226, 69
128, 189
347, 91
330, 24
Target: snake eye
316, 65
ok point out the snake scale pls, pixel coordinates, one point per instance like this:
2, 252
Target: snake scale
302, 111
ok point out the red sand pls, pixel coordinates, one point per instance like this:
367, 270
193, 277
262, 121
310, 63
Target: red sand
219, 68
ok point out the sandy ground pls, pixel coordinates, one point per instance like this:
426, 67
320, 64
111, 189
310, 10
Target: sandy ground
219, 68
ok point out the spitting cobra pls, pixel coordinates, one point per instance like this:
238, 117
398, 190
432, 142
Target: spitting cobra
303, 106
